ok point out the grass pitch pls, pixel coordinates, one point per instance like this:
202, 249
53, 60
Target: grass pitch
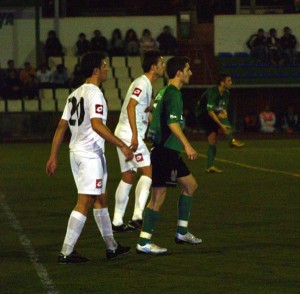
248, 218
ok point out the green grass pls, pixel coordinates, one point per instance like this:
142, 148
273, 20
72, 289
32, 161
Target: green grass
248, 219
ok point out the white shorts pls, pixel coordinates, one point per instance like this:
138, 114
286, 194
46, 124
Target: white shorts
90, 174
141, 157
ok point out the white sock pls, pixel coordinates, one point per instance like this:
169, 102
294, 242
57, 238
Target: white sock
141, 195
75, 226
121, 198
104, 225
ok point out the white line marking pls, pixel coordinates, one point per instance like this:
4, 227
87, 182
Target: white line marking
274, 171
33, 256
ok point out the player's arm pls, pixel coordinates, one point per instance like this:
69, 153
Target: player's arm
225, 129
51, 165
102, 130
132, 122
178, 133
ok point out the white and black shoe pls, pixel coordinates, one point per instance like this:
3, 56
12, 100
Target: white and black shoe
188, 238
150, 248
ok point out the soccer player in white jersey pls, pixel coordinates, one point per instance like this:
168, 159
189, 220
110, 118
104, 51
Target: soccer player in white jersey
85, 114
131, 128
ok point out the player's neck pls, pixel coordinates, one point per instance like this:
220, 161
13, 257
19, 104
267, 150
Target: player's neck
176, 83
93, 80
151, 77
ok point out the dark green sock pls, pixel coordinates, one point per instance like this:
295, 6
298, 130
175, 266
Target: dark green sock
184, 209
211, 154
149, 224
226, 122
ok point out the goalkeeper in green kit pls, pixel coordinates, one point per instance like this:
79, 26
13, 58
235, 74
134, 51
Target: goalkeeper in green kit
211, 112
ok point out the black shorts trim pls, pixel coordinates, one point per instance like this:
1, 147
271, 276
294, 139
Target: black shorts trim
167, 167
208, 124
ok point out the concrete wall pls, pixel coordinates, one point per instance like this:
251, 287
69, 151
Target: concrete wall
18, 40
232, 31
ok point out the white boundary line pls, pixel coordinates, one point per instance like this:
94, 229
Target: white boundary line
269, 170
33, 256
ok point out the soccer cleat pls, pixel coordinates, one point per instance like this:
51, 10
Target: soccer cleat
122, 228
188, 238
236, 143
214, 170
119, 251
72, 258
150, 248
137, 224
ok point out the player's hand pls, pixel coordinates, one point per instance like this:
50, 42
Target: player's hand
134, 143
222, 115
51, 166
226, 129
127, 152
191, 153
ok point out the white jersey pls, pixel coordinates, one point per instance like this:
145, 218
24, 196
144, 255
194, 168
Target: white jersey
85, 103
140, 90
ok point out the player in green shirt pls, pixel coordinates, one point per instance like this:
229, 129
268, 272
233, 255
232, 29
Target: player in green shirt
211, 111
168, 167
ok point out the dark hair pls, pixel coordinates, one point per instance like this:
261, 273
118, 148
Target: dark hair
150, 57
222, 76
89, 62
175, 64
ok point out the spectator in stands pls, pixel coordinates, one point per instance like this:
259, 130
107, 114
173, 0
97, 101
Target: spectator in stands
28, 80
44, 76
117, 43
147, 42
13, 86
267, 119
77, 78
11, 67
290, 121
2, 82
99, 43
167, 42
288, 44
53, 46
274, 48
60, 76
132, 46
251, 122
258, 46
82, 44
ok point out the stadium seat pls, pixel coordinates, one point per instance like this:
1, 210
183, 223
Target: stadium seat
2, 106
111, 94
109, 84
48, 105
118, 61
121, 72
15, 105
31, 105
135, 72
123, 92
114, 104
62, 93
69, 63
46, 93
134, 61
61, 103
124, 82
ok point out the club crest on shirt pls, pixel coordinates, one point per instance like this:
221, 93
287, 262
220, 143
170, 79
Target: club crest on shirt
139, 157
98, 183
99, 108
137, 92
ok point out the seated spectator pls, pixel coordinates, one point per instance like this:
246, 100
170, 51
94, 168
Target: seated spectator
99, 43
117, 43
147, 42
288, 44
82, 45
27, 74
53, 47
30, 89
258, 46
44, 76
60, 77
10, 67
132, 46
267, 119
167, 42
250, 122
13, 88
77, 78
290, 121
274, 49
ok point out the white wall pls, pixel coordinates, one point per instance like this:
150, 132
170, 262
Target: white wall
232, 31
18, 41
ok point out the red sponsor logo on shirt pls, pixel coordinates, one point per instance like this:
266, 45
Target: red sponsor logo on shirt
99, 108
139, 157
137, 92
98, 183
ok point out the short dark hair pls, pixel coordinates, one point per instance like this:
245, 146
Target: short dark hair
90, 61
150, 58
175, 64
222, 76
